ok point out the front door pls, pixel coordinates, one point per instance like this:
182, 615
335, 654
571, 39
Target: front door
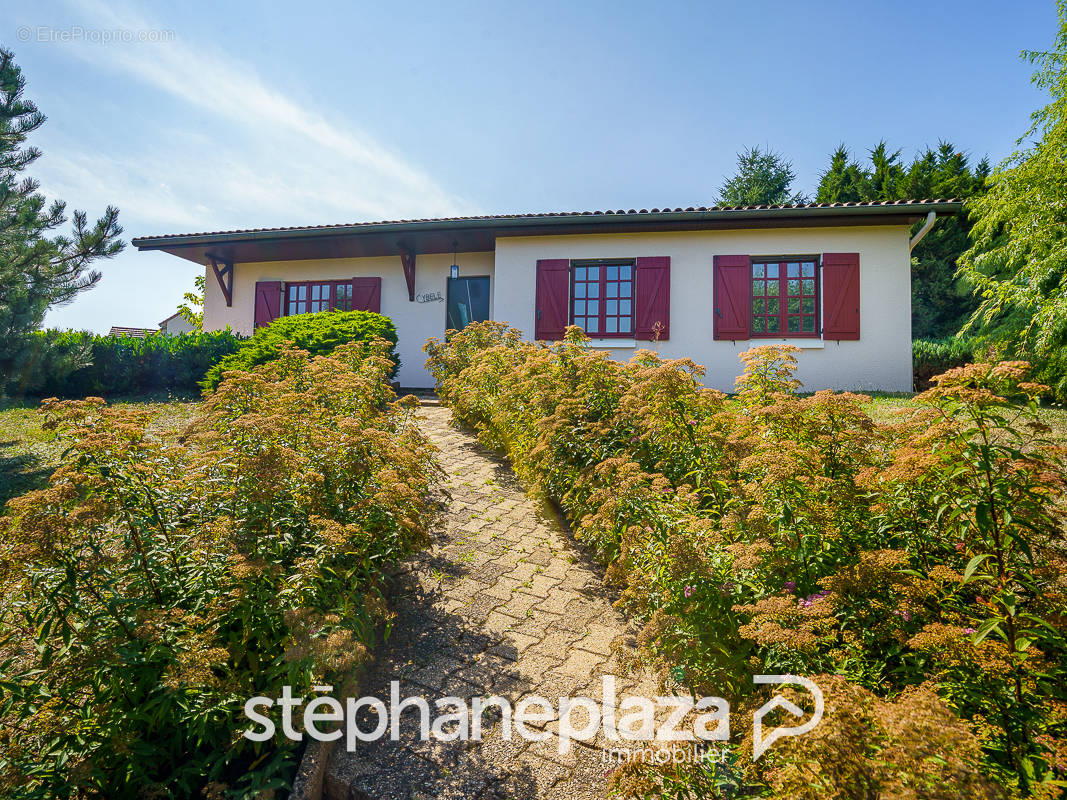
468, 301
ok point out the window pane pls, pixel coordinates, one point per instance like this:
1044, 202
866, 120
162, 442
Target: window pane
594, 289
292, 293
302, 293
772, 324
613, 273
580, 322
772, 270
757, 270
624, 272
758, 305
611, 307
594, 273
579, 273
792, 305
792, 270
757, 288
612, 289
809, 305
809, 285
625, 289
809, 324
579, 290
292, 308
624, 308
757, 325
579, 308
772, 305
794, 324
592, 325
793, 288
611, 325
592, 307
624, 325
807, 269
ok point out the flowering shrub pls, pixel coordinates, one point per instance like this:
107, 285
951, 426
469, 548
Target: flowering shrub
156, 584
921, 563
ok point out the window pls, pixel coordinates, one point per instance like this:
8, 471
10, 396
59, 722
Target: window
313, 296
468, 301
785, 297
602, 293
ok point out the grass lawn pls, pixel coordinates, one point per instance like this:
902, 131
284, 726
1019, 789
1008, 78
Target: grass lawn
883, 408
28, 454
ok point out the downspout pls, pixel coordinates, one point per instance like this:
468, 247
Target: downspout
925, 229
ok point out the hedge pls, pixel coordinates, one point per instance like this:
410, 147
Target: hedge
79, 364
319, 334
913, 570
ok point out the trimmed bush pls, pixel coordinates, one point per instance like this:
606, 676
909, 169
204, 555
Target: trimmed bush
930, 357
159, 582
79, 364
319, 334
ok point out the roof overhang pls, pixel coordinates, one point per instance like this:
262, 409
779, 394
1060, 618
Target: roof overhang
479, 234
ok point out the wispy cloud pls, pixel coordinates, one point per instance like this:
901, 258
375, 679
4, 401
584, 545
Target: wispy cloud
278, 153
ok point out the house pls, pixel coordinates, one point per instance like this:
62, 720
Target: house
702, 283
175, 324
134, 333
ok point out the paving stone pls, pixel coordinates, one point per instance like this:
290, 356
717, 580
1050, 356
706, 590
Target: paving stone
503, 603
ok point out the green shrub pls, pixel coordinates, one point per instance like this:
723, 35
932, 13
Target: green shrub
930, 357
157, 584
79, 364
319, 334
771, 533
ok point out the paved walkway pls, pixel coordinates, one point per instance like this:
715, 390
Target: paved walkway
503, 603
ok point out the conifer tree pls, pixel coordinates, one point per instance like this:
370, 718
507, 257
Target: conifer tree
39, 269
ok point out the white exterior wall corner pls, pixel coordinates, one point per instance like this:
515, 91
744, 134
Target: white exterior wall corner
415, 322
880, 360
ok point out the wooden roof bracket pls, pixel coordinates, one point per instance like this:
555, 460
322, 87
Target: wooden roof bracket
407, 258
225, 278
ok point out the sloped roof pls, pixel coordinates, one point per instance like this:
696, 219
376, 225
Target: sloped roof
479, 233
136, 333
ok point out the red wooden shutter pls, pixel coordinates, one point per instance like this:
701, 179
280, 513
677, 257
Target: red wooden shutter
652, 298
733, 297
367, 294
553, 295
841, 295
268, 302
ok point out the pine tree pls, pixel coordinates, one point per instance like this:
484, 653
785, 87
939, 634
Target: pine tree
38, 270
844, 181
763, 178
940, 302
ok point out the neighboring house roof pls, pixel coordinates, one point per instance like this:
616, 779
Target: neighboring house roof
479, 233
136, 333
175, 315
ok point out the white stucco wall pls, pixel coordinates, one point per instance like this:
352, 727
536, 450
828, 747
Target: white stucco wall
415, 322
879, 360
177, 324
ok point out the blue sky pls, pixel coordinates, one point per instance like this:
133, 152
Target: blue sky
262, 114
